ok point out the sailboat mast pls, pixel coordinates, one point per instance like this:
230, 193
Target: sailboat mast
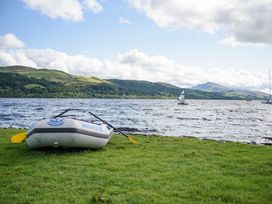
269, 84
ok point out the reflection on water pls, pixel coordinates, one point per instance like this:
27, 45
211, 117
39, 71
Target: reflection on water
207, 119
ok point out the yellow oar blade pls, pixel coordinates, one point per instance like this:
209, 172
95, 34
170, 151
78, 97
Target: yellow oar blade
133, 140
18, 138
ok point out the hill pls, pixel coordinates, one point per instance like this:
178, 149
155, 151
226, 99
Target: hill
229, 91
212, 87
48, 74
21, 81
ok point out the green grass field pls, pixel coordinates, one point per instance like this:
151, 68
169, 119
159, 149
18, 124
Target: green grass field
158, 170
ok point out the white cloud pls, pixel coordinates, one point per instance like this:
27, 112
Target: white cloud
10, 41
266, 90
130, 65
68, 10
234, 43
74, 64
94, 6
243, 21
124, 21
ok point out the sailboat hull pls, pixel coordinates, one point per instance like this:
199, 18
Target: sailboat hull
182, 103
268, 101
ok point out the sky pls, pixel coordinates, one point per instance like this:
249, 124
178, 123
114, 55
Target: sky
182, 42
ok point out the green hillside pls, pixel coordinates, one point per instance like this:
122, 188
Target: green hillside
20, 81
49, 74
229, 91
147, 87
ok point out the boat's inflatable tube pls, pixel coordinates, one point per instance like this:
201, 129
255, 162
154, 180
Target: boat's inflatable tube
59, 132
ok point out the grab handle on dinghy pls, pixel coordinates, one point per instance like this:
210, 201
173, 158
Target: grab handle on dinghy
130, 138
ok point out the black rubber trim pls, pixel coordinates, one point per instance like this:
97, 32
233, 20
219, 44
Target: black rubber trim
65, 130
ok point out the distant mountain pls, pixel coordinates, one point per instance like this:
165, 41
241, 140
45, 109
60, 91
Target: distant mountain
212, 87
147, 87
229, 91
20, 81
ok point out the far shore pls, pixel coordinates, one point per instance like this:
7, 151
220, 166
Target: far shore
131, 98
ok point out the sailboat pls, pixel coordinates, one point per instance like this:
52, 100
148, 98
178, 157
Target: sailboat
181, 99
269, 100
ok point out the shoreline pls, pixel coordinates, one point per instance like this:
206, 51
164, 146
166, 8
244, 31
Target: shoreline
169, 136
140, 98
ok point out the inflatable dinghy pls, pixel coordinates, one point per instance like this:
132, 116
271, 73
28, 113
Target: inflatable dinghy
66, 132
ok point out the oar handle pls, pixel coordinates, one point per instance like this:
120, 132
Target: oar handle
108, 124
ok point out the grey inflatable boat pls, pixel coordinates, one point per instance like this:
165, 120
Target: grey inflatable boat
66, 132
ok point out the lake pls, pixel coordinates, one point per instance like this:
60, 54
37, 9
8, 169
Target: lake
228, 120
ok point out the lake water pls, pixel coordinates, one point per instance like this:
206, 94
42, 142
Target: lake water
240, 121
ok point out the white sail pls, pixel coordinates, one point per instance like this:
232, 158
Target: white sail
269, 85
269, 100
182, 97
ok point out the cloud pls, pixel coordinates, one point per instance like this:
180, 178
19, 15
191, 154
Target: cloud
234, 43
10, 41
124, 21
94, 6
74, 64
243, 21
67, 10
133, 64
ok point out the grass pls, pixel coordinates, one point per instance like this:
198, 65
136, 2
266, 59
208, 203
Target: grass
51, 75
92, 80
30, 86
158, 170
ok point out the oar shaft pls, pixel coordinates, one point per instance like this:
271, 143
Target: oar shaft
95, 117
62, 113
65, 111
108, 124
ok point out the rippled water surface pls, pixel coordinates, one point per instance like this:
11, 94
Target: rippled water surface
241, 121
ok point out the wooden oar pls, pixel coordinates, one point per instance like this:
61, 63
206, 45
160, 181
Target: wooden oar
129, 137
